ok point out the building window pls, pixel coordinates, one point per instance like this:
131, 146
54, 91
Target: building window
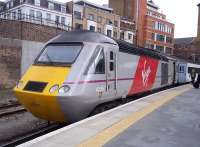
77, 15
37, 2
160, 48
21, 1
116, 23
122, 35
130, 36
63, 9
48, 17
99, 19
160, 38
92, 28
63, 20
99, 30
109, 33
51, 6
152, 46
11, 4
32, 14
39, 15
168, 39
91, 17
57, 19
78, 26
153, 36
19, 13
108, 21
115, 34
14, 15
7, 5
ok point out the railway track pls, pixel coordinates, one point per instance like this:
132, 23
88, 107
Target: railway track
33, 134
6, 110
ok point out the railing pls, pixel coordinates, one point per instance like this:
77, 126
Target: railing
33, 19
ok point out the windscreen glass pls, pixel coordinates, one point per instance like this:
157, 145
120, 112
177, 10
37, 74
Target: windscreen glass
59, 54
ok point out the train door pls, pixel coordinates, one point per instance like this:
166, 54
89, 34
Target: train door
111, 72
164, 74
181, 73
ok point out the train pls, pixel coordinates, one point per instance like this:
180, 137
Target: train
77, 71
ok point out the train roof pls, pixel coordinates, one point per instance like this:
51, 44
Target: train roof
132, 49
82, 36
89, 36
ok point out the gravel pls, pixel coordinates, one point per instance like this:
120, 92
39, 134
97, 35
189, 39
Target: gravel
17, 125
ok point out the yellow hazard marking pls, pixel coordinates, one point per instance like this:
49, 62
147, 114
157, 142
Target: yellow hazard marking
103, 137
43, 105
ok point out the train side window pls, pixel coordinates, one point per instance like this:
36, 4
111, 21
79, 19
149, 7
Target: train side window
111, 66
96, 63
111, 55
100, 66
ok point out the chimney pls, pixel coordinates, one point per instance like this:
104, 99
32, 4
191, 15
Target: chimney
198, 27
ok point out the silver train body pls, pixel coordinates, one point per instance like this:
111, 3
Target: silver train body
101, 70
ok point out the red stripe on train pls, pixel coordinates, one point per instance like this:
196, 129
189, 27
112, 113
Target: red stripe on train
145, 75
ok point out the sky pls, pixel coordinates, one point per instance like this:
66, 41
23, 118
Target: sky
183, 13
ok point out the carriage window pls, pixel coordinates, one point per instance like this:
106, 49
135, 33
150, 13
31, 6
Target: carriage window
97, 62
111, 66
111, 56
100, 66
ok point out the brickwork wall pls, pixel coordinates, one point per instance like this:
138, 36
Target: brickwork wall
10, 61
27, 31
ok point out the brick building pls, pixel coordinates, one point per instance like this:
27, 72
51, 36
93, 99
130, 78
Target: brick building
159, 33
102, 19
152, 28
183, 48
44, 12
89, 16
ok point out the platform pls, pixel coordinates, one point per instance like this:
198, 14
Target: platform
170, 118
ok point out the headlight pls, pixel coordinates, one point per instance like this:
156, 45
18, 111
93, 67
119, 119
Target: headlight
54, 88
19, 84
64, 89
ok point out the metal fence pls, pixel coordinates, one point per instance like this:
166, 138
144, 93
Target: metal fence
33, 19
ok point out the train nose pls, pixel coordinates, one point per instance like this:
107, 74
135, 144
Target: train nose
38, 92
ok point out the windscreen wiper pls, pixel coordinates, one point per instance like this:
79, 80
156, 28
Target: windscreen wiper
49, 59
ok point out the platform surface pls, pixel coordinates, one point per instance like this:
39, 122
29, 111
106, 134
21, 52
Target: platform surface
166, 119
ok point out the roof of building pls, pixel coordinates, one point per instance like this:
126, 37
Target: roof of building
85, 2
185, 41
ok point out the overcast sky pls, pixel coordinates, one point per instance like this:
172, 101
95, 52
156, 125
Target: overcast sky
183, 13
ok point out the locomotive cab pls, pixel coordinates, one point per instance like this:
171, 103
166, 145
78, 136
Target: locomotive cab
58, 80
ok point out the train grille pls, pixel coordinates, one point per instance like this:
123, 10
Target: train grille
35, 86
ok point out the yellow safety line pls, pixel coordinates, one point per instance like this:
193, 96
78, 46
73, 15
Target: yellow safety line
103, 137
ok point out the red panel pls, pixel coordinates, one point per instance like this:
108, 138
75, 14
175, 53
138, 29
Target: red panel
145, 75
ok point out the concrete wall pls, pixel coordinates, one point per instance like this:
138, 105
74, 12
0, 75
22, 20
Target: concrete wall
30, 50
15, 58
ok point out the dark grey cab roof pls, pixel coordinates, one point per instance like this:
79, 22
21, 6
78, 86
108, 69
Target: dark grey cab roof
82, 36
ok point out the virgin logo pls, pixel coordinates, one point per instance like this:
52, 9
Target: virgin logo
145, 74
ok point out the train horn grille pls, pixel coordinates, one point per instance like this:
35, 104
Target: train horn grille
35, 86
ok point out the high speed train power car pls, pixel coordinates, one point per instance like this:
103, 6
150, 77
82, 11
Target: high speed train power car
77, 71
